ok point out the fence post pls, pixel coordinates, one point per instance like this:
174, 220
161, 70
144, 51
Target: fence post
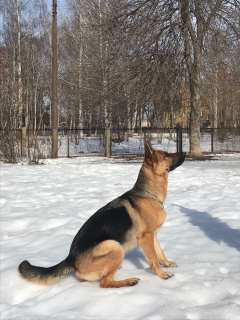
212, 133
68, 144
24, 142
179, 138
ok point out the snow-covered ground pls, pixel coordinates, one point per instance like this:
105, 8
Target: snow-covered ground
43, 206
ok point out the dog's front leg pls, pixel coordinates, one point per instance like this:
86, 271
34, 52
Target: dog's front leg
161, 256
146, 241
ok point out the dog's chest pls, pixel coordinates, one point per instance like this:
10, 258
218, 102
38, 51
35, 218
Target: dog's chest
157, 219
151, 215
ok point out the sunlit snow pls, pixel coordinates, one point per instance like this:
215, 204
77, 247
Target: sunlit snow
43, 206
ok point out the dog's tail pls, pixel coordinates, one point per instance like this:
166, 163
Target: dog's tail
45, 276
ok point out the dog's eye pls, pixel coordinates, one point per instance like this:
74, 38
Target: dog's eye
167, 155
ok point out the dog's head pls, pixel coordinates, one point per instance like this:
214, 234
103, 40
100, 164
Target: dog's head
161, 162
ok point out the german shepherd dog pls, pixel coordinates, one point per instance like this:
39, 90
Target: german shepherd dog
129, 221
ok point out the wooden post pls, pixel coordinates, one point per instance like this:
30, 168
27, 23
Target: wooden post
54, 111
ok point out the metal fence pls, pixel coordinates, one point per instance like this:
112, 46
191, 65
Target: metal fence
215, 140
123, 141
37, 144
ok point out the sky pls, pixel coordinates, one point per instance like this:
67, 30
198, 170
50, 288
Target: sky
60, 3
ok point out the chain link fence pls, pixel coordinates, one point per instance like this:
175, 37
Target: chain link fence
213, 140
37, 144
123, 141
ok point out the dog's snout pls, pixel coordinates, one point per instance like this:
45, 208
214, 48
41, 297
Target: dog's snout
178, 159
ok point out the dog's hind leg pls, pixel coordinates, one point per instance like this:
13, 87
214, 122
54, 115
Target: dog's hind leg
161, 256
101, 263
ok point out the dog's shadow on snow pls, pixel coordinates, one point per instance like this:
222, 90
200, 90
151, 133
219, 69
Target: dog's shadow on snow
137, 258
214, 228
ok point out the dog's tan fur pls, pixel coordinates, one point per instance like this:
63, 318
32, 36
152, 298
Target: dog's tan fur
144, 205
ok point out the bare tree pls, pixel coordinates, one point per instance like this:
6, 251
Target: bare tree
184, 24
25, 68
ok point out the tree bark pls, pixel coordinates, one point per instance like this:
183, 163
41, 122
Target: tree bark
215, 96
80, 75
104, 54
192, 53
54, 111
195, 125
19, 65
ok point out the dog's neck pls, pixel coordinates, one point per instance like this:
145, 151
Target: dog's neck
156, 197
149, 183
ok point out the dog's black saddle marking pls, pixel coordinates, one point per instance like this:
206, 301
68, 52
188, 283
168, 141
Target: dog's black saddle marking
108, 223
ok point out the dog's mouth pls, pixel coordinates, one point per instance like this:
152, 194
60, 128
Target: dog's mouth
178, 159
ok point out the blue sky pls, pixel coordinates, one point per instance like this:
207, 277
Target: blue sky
61, 4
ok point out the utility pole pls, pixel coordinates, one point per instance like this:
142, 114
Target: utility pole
54, 111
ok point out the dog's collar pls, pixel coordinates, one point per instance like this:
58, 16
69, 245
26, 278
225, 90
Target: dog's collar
156, 197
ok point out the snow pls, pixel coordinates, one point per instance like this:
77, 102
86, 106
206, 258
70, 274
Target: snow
43, 206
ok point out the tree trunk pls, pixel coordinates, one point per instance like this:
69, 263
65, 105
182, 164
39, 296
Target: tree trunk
103, 43
129, 120
80, 75
215, 95
19, 65
193, 43
195, 125
54, 109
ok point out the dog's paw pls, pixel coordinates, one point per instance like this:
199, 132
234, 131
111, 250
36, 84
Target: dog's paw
169, 264
134, 281
166, 275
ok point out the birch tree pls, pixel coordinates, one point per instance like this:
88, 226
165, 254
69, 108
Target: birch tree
186, 23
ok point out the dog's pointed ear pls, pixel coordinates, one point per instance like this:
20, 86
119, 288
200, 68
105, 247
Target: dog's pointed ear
150, 157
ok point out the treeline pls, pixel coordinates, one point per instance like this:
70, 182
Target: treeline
122, 64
